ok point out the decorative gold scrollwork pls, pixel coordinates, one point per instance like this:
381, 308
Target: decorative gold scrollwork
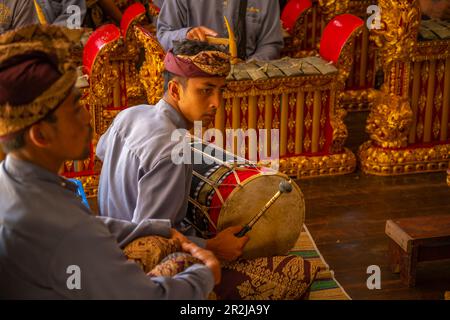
390, 121
332, 8
397, 36
151, 72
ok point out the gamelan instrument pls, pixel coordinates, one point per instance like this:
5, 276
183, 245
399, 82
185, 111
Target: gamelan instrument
230, 191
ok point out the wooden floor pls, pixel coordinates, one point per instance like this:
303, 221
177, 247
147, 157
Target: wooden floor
346, 216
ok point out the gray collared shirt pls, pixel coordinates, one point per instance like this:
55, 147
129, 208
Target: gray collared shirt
16, 13
264, 36
139, 180
61, 12
158, 3
45, 230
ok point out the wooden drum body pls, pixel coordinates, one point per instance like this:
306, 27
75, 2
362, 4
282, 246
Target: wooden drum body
224, 194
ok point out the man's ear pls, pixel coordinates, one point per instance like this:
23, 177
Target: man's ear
174, 90
39, 136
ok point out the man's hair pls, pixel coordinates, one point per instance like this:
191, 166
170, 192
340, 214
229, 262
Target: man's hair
192, 47
188, 47
16, 141
169, 76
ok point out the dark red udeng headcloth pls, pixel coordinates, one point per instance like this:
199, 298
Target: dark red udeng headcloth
23, 78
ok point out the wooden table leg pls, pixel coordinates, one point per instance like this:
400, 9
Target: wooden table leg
408, 267
395, 254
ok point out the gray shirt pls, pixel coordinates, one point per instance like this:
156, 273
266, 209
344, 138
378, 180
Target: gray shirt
16, 13
264, 36
59, 12
158, 3
139, 181
45, 229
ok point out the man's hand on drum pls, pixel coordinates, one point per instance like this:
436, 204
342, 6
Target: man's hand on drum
206, 256
200, 33
226, 246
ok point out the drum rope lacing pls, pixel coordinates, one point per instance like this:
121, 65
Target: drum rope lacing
232, 165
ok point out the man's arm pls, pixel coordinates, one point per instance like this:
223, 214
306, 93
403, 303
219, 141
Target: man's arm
125, 231
90, 254
270, 40
162, 194
172, 23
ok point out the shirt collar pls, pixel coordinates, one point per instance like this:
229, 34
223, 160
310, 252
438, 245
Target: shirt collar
21, 169
177, 119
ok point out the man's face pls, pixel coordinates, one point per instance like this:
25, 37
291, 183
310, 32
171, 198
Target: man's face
72, 133
200, 98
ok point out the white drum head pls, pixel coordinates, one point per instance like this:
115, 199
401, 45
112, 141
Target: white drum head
278, 229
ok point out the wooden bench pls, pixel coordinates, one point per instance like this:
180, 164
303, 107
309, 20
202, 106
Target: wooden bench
413, 240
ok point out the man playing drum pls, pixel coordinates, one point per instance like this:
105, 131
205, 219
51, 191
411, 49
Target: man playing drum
139, 180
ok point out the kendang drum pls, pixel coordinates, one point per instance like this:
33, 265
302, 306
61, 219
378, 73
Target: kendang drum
228, 191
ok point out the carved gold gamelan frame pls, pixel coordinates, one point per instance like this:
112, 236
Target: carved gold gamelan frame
125, 72
301, 108
409, 122
358, 94
306, 109
297, 107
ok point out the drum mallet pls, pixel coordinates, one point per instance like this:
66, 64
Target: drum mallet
284, 187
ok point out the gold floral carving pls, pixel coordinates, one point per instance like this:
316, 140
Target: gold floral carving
298, 35
99, 94
391, 118
389, 122
346, 58
278, 86
151, 72
340, 132
302, 167
386, 162
332, 8
344, 66
358, 100
397, 36
130, 56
